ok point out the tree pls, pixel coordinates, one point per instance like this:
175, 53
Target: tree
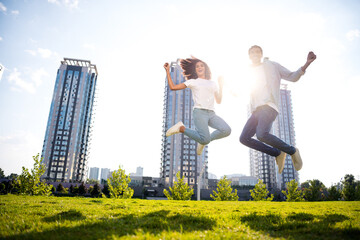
12, 176
293, 193
224, 191
260, 193
2, 188
106, 190
334, 194
313, 190
92, 181
82, 189
357, 191
60, 188
180, 191
30, 182
119, 184
96, 191
2, 175
349, 189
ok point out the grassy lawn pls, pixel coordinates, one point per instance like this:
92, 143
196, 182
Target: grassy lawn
26, 217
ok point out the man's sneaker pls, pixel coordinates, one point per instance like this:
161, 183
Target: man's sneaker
297, 160
280, 161
199, 148
174, 129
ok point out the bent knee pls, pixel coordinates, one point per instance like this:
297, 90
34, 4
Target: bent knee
244, 139
261, 136
227, 131
204, 141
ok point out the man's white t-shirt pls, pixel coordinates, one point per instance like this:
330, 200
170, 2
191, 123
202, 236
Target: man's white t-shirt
261, 91
203, 92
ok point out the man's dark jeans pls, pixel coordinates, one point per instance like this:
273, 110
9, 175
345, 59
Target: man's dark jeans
260, 123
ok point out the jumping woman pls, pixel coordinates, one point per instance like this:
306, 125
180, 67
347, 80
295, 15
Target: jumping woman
204, 92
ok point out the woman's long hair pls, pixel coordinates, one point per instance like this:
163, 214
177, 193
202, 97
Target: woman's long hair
188, 67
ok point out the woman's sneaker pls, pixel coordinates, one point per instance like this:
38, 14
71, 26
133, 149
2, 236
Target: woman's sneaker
297, 161
280, 161
174, 129
200, 148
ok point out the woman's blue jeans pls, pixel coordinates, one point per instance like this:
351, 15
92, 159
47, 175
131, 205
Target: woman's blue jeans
204, 118
260, 123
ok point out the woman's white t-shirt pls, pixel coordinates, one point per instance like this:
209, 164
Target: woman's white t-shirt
203, 92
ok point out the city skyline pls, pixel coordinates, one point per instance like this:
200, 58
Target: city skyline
131, 41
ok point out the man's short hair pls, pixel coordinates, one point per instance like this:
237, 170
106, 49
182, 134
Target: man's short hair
255, 46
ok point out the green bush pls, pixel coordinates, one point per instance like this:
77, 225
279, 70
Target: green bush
60, 189
30, 182
82, 189
224, 191
349, 190
293, 193
119, 185
334, 194
180, 191
260, 193
96, 191
313, 190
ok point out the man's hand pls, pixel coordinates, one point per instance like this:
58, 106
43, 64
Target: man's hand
311, 57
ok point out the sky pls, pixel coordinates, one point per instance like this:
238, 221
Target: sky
129, 42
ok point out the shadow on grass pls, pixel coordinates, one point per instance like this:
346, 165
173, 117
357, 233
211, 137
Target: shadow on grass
71, 215
152, 223
301, 226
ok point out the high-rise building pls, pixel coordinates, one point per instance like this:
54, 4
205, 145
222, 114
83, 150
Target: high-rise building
68, 134
94, 173
263, 166
139, 171
104, 174
178, 152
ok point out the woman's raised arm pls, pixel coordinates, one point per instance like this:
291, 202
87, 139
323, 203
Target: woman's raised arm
172, 86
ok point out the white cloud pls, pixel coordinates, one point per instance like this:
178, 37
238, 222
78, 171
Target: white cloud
43, 52
19, 84
66, 3
2, 7
352, 34
89, 46
1, 38
15, 12
38, 75
31, 52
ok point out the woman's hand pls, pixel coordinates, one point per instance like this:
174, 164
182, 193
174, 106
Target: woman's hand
221, 81
167, 66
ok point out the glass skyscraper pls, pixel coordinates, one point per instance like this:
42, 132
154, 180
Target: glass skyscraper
68, 133
263, 166
178, 152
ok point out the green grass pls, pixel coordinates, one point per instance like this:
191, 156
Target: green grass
26, 217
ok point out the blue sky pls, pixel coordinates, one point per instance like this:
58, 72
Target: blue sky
129, 41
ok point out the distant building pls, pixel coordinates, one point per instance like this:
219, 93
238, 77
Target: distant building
178, 152
139, 171
68, 133
94, 173
263, 166
212, 176
104, 175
